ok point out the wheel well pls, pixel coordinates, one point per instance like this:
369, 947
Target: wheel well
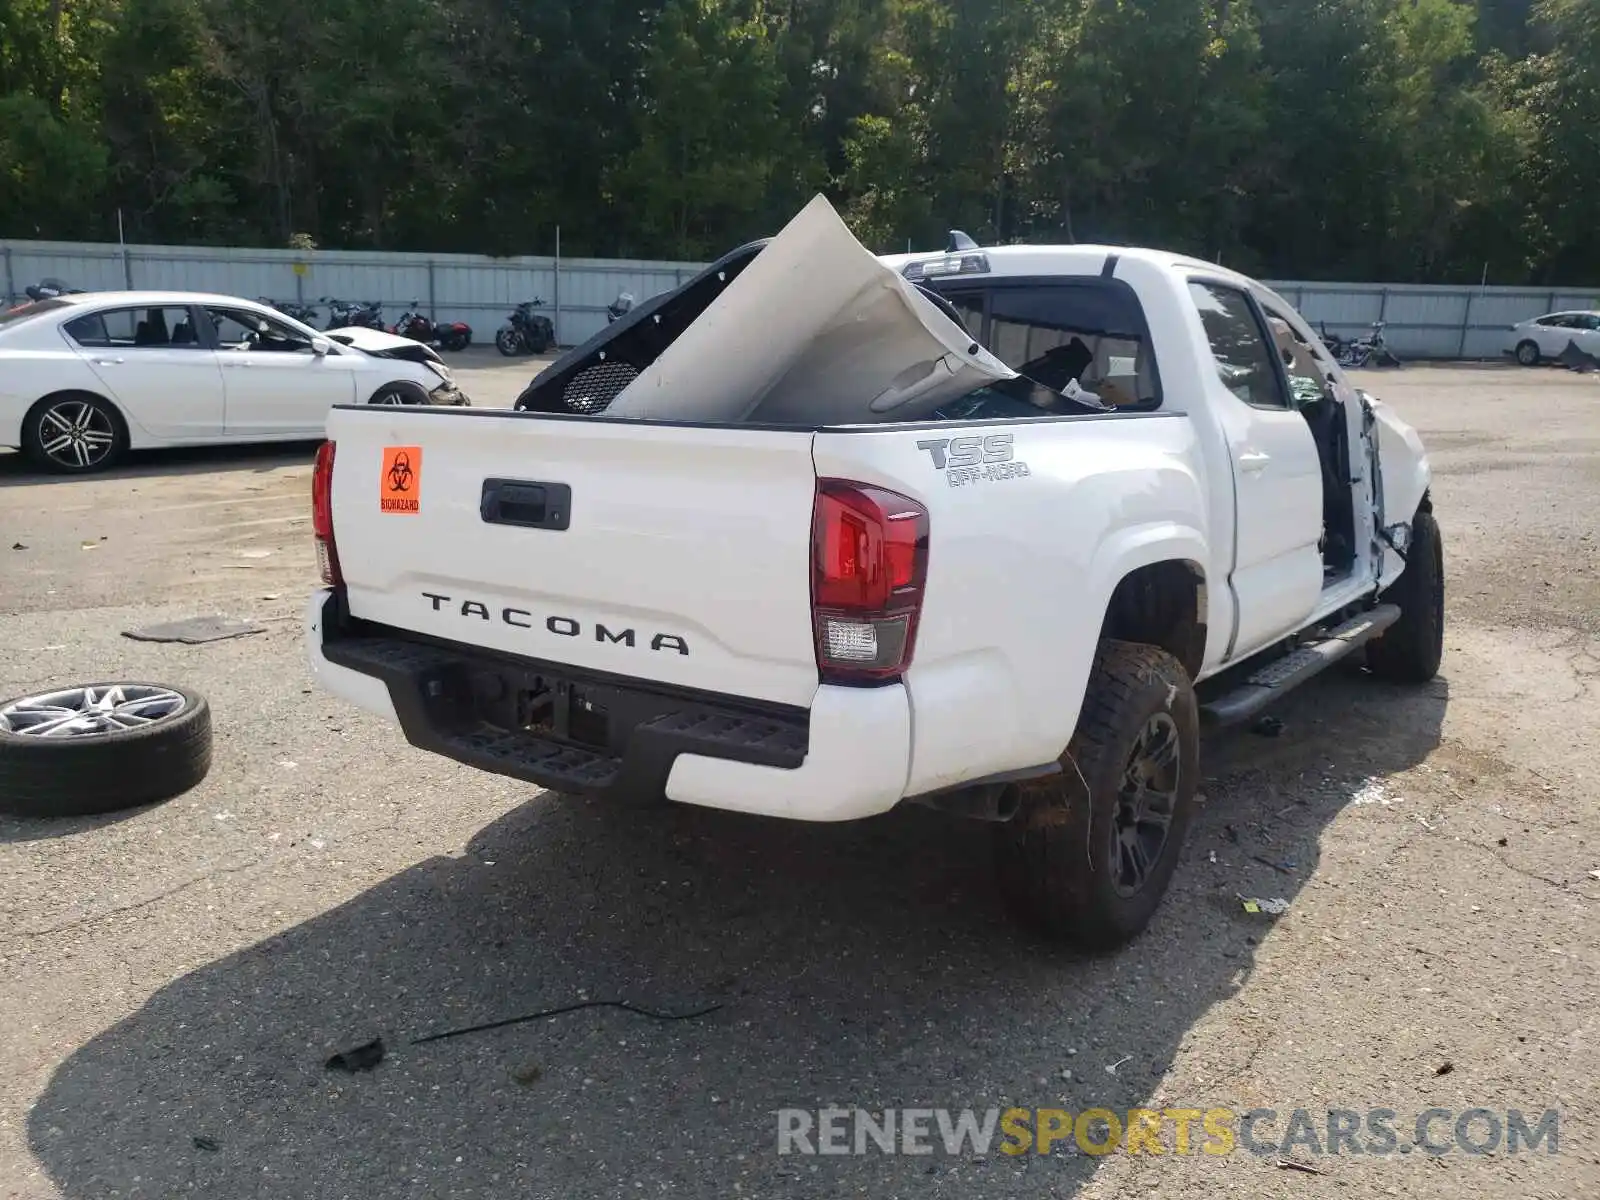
79, 394
398, 385
1163, 604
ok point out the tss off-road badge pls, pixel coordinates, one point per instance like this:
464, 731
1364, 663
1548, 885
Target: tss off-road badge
967, 460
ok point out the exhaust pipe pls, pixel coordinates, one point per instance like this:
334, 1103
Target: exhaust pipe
993, 798
976, 802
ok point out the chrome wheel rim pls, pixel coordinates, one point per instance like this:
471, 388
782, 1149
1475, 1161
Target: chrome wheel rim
90, 711
1146, 801
76, 433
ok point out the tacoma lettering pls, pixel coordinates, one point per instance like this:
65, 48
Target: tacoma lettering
570, 627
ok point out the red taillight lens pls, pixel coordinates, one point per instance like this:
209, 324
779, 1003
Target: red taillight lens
869, 562
322, 515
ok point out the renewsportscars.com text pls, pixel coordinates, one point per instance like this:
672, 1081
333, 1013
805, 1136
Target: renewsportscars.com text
1180, 1131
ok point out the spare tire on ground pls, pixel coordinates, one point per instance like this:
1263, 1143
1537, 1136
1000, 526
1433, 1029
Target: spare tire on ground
94, 748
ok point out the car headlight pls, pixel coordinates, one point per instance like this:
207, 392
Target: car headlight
439, 369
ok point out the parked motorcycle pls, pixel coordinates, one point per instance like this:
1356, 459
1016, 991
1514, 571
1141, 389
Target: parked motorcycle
620, 307
1370, 350
49, 289
304, 313
451, 335
343, 313
525, 331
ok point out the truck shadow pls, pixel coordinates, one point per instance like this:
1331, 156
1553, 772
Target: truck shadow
869, 964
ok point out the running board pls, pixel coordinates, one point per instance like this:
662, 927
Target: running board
1294, 668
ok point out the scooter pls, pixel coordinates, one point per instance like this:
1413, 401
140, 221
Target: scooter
525, 331
452, 335
620, 307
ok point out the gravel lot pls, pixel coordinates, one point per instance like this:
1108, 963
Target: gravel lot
172, 980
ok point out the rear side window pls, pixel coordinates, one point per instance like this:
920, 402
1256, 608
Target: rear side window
1239, 349
1084, 331
163, 327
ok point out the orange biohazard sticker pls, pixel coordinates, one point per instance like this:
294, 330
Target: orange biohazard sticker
400, 484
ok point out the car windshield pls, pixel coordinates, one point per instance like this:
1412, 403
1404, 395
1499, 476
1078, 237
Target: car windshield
37, 308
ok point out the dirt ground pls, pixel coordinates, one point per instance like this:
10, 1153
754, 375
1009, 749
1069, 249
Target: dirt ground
172, 980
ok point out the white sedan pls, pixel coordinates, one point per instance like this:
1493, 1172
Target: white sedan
85, 377
1547, 336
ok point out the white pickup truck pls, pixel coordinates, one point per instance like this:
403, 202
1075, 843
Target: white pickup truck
1052, 510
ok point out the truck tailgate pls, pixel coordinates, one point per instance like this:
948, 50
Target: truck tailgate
674, 554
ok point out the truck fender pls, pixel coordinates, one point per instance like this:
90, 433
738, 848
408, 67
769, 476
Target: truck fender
1404, 477
1124, 552
1403, 462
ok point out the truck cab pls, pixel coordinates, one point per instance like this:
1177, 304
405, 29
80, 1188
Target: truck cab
1293, 510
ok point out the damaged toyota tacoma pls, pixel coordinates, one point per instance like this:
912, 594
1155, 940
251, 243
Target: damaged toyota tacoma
994, 530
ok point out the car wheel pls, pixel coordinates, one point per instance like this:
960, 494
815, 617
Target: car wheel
1089, 854
74, 433
1409, 650
401, 391
507, 342
100, 747
1528, 353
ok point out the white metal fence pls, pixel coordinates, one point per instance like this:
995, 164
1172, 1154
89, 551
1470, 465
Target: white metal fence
1429, 321
1422, 321
473, 288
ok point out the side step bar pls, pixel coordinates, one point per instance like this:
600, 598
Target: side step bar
1294, 668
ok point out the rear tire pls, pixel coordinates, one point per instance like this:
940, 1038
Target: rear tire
1069, 863
1409, 651
74, 433
1528, 353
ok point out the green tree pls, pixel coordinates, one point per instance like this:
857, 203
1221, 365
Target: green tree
1560, 94
711, 146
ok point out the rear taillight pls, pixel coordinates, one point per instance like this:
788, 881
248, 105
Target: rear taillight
322, 516
869, 562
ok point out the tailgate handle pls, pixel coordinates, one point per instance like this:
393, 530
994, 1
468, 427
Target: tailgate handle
526, 503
